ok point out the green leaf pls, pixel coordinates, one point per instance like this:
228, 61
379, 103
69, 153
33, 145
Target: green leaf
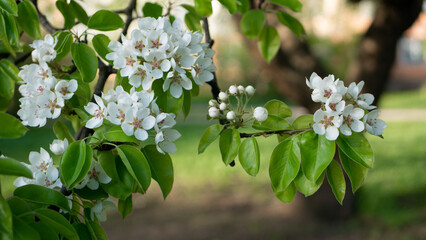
294, 5
9, 6
136, 164
75, 163
209, 136
116, 134
203, 7
85, 59
154, 10
317, 153
56, 221
63, 47
122, 182
336, 180
230, 5
45, 231
303, 121
7, 85
278, 108
291, 22
269, 43
125, 206
90, 194
10, 70
357, 148
229, 143
82, 231
272, 123
243, 6
161, 168
79, 12
43, 195
14, 127
18, 206
23, 231
285, 164
307, 187
6, 231
61, 131
100, 43
105, 20
192, 21
252, 22
9, 166
97, 231
186, 103
67, 12
355, 172
12, 30
249, 156
28, 19
287, 195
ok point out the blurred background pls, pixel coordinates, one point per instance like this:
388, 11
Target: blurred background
380, 42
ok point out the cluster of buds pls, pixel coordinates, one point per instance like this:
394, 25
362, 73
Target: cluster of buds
343, 108
223, 109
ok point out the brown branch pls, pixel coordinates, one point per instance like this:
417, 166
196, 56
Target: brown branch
128, 12
213, 83
43, 20
289, 132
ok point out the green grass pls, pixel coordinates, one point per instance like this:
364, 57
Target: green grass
405, 99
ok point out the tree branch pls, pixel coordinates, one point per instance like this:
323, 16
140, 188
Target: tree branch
43, 20
128, 12
289, 132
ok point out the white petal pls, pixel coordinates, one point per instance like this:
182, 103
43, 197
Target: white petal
168, 147
176, 90
318, 128
127, 129
331, 133
141, 134
357, 126
345, 130
148, 122
94, 123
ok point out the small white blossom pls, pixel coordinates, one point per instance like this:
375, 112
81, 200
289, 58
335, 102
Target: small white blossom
97, 111
260, 114
137, 122
100, 208
44, 50
327, 123
66, 89
373, 125
165, 140
212, 103
176, 81
94, 176
58, 146
351, 120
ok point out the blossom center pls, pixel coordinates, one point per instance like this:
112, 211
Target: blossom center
327, 121
139, 45
327, 93
130, 61
94, 174
99, 113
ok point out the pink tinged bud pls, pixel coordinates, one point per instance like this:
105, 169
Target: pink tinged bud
214, 112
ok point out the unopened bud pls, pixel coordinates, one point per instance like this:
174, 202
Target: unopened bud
223, 96
260, 114
222, 106
230, 115
250, 90
212, 103
240, 89
214, 112
233, 90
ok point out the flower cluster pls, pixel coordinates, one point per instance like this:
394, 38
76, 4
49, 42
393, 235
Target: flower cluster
137, 113
42, 94
223, 108
161, 50
343, 108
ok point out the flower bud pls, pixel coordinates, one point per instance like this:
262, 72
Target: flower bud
240, 89
250, 90
212, 103
233, 90
214, 112
260, 114
223, 96
58, 147
230, 115
222, 106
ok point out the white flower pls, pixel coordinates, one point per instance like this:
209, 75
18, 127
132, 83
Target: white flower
124, 55
323, 88
351, 120
176, 81
327, 123
212, 103
112, 95
250, 90
65, 89
97, 111
165, 120
100, 208
373, 125
335, 104
157, 63
141, 99
164, 140
222, 106
58, 147
44, 50
95, 176
214, 112
137, 122
50, 104
223, 96
260, 114
230, 115
30, 113
314, 81
233, 90
364, 101
141, 76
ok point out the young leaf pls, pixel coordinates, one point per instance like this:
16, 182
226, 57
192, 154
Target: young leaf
56, 221
105, 20
249, 156
85, 59
203, 7
278, 108
63, 47
82, 231
209, 136
11, 30
122, 183
73, 163
252, 22
14, 127
90, 194
9, 166
45, 231
125, 206
154, 10
7, 85
136, 164
9, 6
272, 123
43, 195
186, 103
285, 164
68, 14
317, 153
291, 22
6, 231
355, 172
61, 131
192, 21
230, 5
303, 121
357, 148
336, 180
10, 70
269, 43
161, 168
28, 19
287, 195
294, 5
79, 12
23, 231
229, 143
116, 134
307, 187
100, 43
96, 230
243, 6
